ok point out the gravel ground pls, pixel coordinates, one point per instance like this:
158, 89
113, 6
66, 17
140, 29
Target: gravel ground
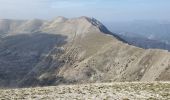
97, 91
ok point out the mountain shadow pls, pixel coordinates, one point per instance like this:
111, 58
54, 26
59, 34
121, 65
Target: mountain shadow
19, 54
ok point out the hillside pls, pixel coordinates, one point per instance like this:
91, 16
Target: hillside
71, 51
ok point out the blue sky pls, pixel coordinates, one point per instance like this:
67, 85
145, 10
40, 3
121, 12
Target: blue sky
104, 10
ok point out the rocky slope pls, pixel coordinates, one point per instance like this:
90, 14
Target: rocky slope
99, 91
78, 50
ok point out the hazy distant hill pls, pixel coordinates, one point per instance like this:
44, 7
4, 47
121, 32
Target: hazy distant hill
78, 50
144, 42
154, 30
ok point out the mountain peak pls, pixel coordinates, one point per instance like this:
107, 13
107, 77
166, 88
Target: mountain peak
60, 19
94, 22
91, 20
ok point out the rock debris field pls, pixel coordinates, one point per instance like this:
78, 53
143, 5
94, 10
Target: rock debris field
96, 91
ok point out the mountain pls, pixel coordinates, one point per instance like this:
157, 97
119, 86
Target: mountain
149, 29
144, 42
70, 51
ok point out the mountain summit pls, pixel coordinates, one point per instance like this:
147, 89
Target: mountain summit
77, 50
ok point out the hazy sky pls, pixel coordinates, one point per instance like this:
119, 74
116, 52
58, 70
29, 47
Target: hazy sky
104, 10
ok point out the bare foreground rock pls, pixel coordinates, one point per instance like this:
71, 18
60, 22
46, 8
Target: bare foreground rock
96, 91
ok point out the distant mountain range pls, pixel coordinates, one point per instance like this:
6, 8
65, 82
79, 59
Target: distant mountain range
144, 33
70, 51
145, 43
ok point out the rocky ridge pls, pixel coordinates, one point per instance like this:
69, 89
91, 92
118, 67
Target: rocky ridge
70, 51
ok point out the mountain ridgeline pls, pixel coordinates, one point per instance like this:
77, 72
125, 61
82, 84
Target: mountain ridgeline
72, 51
